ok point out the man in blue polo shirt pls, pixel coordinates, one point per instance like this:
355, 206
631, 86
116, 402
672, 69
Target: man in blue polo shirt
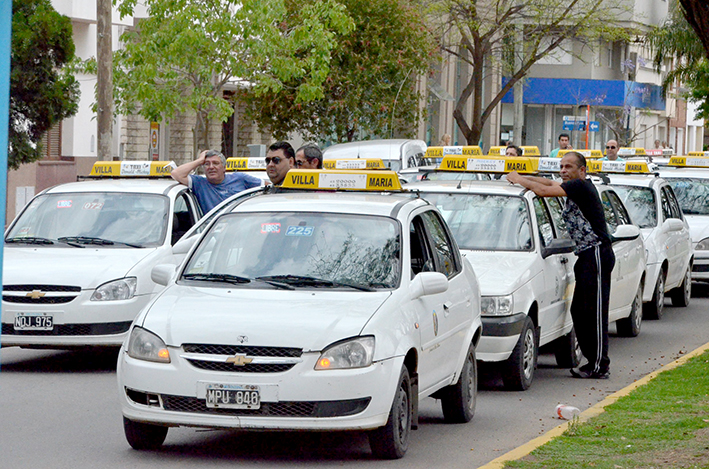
215, 185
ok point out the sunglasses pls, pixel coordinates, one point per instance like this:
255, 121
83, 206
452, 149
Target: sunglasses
275, 159
611, 147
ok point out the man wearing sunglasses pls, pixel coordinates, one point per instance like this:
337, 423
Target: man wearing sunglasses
215, 185
308, 157
612, 152
280, 158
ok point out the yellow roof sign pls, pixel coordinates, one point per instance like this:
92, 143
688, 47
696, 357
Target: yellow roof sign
698, 153
487, 164
585, 153
527, 150
131, 169
354, 163
352, 180
689, 161
628, 151
440, 152
246, 164
629, 167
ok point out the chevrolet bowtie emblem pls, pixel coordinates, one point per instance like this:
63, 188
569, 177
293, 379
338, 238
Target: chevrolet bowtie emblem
35, 294
239, 360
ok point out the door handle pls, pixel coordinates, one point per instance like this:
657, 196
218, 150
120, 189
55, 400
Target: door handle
446, 308
563, 260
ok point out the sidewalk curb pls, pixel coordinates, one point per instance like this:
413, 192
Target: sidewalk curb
587, 414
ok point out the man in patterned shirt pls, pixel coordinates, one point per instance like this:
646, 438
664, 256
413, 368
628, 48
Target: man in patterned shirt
586, 224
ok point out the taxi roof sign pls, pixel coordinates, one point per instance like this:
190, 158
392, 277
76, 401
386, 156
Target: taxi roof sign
631, 151
354, 163
698, 153
586, 153
350, 180
246, 164
689, 161
487, 164
132, 168
626, 167
527, 150
440, 152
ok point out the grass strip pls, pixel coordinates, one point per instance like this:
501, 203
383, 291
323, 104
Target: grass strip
663, 424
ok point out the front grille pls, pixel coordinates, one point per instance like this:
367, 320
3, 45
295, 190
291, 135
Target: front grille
700, 268
45, 300
44, 288
275, 409
251, 351
107, 328
248, 368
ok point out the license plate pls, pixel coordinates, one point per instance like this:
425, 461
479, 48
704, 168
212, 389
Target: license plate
34, 322
233, 396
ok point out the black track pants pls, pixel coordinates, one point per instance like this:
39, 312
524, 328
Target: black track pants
589, 308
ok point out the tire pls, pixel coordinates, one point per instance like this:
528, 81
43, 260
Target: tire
458, 400
518, 370
653, 309
630, 326
142, 436
682, 294
392, 440
567, 351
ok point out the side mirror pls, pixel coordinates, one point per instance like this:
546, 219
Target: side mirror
428, 283
183, 246
626, 233
163, 273
558, 246
673, 224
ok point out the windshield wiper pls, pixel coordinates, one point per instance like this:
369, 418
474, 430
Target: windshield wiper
130, 245
86, 240
29, 240
305, 281
226, 278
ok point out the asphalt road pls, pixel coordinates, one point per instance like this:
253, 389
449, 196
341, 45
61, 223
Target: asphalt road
60, 410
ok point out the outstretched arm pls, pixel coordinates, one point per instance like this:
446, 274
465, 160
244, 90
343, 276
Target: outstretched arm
543, 187
181, 173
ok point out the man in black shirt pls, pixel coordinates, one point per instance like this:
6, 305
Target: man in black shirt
586, 223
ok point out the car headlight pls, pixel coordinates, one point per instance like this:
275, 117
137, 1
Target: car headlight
352, 353
144, 345
121, 289
496, 305
703, 245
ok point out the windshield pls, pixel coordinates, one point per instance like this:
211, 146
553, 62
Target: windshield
692, 194
640, 202
96, 218
317, 250
485, 222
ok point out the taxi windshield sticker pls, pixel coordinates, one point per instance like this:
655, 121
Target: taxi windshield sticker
93, 205
299, 231
270, 228
63, 203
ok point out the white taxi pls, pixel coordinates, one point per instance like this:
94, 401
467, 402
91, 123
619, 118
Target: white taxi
520, 250
653, 206
77, 259
689, 178
308, 310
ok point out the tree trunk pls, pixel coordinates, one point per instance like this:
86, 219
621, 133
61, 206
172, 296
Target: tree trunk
104, 79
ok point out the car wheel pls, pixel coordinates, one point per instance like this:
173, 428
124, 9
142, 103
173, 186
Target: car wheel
653, 309
567, 351
682, 294
144, 435
458, 400
630, 326
518, 371
392, 440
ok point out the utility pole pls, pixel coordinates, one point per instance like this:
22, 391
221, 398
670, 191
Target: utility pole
104, 87
518, 87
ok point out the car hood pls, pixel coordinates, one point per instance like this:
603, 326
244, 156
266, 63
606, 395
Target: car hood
87, 268
307, 319
698, 227
502, 273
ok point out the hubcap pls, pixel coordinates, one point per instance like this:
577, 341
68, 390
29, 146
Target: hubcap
638, 308
403, 412
528, 360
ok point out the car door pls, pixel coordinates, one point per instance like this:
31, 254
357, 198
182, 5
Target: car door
676, 252
554, 297
435, 364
